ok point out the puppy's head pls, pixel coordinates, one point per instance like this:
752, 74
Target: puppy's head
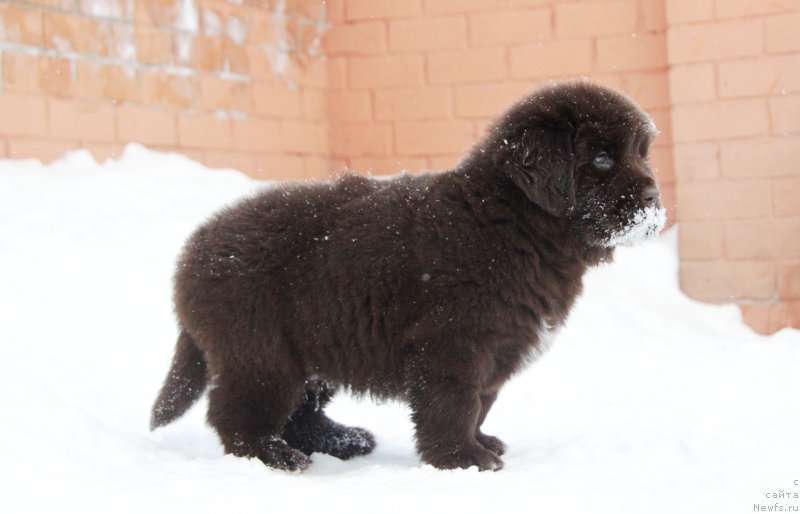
580, 151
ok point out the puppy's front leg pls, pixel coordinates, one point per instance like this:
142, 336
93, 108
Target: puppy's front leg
489, 442
445, 412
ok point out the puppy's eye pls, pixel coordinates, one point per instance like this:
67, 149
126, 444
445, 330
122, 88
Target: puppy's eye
602, 161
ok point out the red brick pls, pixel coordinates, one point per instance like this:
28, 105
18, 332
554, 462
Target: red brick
81, 120
72, 33
204, 131
45, 150
235, 59
510, 27
737, 38
474, 65
388, 71
167, 90
207, 54
21, 72
589, 19
412, 103
315, 104
789, 281
661, 117
366, 9
147, 126
788, 235
23, 115
107, 81
652, 16
278, 100
358, 38
785, 114
57, 76
548, 60
701, 240
724, 200
227, 95
316, 167
748, 8
462, 6
335, 11
153, 45
336, 78
720, 120
692, 83
312, 73
387, 165
241, 161
696, 161
759, 77
350, 106
785, 194
21, 25
304, 137
280, 167
488, 100
514, 4
662, 163
773, 157
444, 162
260, 63
728, 281
682, 11
750, 239
649, 89
768, 318
433, 137
258, 135
117, 9
783, 33
123, 42
103, 151
632, 52
358, 139
427, 34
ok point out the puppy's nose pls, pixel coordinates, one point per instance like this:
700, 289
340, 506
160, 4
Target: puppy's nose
650, 195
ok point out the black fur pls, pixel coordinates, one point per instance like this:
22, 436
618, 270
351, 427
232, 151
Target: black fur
433, 289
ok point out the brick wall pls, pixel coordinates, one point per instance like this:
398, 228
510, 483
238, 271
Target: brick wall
735, 90
229, 85
299, 88
414, 82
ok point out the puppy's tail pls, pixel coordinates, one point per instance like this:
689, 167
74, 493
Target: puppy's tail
184, 384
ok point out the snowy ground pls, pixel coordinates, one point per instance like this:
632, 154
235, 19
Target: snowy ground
646, 402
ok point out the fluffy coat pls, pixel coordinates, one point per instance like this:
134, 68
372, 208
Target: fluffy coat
433, 289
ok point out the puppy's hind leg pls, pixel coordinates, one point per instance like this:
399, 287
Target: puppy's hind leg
310, 430
249, 411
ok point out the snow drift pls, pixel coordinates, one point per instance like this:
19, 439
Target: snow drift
646, 401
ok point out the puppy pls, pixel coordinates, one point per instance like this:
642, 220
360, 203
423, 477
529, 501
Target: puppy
433, 289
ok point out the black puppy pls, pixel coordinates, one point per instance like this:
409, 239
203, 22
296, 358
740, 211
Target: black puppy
433, 288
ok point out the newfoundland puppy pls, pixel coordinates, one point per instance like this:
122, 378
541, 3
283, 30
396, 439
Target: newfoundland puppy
433, 289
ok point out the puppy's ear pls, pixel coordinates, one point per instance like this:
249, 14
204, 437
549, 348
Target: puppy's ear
545, 169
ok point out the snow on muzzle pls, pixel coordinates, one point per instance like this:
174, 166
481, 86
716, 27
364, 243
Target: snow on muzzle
646, 224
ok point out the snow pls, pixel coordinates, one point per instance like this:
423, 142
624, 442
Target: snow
646, 223
645, 402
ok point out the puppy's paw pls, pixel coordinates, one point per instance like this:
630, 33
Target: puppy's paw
320, 434
276, 453
463, 457
348, 442
491, 443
